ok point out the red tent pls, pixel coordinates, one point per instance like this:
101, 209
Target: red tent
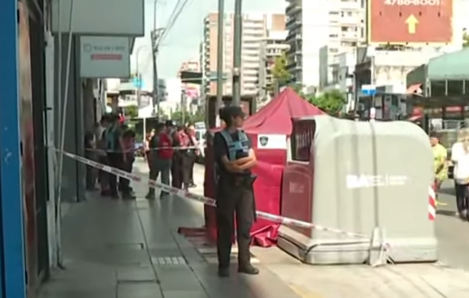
269, 130
276, 116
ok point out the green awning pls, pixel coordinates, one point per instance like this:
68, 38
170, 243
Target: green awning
452, 66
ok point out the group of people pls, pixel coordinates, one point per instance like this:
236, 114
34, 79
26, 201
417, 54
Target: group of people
112, 143
171, 152
459, 159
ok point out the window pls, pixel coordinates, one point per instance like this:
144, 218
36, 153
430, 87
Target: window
302, 139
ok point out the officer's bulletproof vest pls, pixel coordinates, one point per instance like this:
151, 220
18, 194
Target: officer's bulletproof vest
241, 145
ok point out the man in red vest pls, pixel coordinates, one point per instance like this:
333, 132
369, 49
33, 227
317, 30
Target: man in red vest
161, 150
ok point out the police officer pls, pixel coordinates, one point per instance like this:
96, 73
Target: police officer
234, 160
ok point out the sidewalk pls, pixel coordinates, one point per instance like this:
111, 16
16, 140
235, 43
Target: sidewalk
130, 249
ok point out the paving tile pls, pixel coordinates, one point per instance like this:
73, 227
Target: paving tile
179, 281
139, 290
72, 293
185, 294
135, 274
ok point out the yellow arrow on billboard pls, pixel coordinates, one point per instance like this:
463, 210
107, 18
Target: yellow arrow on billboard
411, 22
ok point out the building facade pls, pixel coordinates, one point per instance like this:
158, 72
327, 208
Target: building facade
255, 28
272, 47
337, 25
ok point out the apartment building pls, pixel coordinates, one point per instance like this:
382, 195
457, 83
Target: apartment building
191, 90
255, 28
338, 25
272, 47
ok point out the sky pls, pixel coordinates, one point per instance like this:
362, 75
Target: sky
182, 41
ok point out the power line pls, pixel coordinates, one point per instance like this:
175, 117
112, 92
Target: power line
177, 12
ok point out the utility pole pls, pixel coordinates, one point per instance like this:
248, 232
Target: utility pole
154, 46
183, 106
220, 42
237, 44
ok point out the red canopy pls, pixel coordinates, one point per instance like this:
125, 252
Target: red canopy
275, 117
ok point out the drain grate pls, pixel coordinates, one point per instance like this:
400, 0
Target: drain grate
168, 261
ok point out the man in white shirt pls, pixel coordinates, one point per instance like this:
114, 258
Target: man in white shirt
460, 159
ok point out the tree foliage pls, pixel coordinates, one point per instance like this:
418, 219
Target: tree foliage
331, 102
280, 72
466, 40
131, 111
178, 116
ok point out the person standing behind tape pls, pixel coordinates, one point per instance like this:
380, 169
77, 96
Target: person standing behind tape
103, 176
115, 152
162, 154
460, 159
235, 159
176, 163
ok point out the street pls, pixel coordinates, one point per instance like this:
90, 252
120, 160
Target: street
452, 232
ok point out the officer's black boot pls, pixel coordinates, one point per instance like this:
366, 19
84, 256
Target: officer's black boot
223, 271
248, 269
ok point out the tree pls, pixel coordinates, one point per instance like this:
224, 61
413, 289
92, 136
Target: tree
298, 88
188, 118
280, 72
331, 102
466, 40
131, 111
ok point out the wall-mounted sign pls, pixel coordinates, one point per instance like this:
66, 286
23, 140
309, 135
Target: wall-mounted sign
104, 57
103, 17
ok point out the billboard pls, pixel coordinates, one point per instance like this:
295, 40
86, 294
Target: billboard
99, 17
410, 21
104, 57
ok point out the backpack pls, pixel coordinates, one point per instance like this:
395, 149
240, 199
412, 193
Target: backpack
165, 149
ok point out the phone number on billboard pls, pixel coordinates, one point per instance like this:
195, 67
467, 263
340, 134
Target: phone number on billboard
413, 2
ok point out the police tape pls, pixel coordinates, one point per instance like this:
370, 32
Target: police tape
205, 200
151, 149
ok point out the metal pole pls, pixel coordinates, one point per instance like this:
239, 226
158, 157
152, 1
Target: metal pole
155, 62
154, 41
154, 14
183, 106
220, 42
237, 43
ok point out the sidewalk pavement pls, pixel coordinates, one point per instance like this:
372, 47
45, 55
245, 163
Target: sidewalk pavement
130, 249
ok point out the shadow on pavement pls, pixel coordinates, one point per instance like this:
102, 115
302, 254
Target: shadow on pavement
447, 213
447, 191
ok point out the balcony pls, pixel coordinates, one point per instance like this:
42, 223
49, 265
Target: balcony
293, 23
293, 9
292, 37
349, 36
350, 5
352, 20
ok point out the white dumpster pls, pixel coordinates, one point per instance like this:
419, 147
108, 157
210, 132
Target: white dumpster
355, 177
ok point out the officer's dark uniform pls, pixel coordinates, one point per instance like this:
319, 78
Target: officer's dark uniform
234, 195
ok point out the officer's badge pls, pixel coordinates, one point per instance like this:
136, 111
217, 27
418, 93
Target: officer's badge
264, 141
